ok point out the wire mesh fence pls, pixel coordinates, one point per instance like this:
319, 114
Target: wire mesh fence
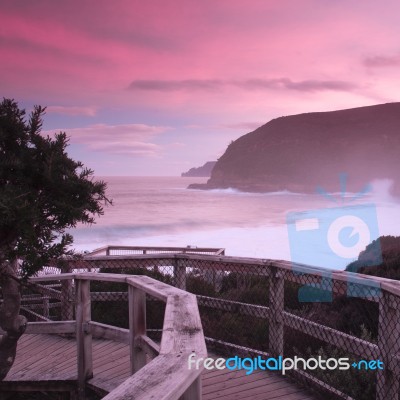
251, 307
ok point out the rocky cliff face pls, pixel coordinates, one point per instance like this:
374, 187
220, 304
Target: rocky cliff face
301, 152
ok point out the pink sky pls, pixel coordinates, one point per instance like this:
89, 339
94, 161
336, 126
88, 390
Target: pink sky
156, 87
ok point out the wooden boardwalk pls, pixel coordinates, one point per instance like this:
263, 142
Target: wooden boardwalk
46, 361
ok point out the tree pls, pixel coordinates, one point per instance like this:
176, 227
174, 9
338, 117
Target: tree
43, 192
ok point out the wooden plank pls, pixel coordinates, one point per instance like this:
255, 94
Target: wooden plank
154, 288
52, 277
182, 329
103, 331
392, 287
60, 364
232, 380
84, 339
128, 257
137, 327
276, 304
51, 327
107, 355
149, 346
47, 352
37, 348
180, 274
102, 277
148, 383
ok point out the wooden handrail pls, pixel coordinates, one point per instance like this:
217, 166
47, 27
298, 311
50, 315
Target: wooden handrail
182, 335
384, 291
144, 249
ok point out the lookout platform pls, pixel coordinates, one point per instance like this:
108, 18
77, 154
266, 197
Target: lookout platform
49, 361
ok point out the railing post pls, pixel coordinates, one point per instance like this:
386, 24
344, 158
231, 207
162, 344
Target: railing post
83, 337
194, 391
387, 387
276, 304
180, 274
67, 306
137, 327
46, 306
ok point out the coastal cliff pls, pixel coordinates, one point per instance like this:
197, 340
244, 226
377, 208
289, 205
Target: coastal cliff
301, 152
203, 171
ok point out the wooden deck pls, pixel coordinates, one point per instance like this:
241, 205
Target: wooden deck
49, 361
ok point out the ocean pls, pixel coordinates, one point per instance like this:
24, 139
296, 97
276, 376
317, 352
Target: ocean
161, 211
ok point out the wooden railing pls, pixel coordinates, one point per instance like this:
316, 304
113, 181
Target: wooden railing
182, 335
384, 292
129, 250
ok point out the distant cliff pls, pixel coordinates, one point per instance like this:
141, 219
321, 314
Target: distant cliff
203, 171
301, 152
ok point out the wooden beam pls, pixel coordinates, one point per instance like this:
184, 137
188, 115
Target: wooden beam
137, 327
51, 327
83, 338
103, 331
180, 274
52, 277
276, 304
151, 348
167, 377
182, 329
154, 288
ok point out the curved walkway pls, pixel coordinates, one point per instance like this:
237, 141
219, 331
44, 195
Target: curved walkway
48, 362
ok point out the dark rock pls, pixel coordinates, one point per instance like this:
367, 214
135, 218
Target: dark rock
203, 171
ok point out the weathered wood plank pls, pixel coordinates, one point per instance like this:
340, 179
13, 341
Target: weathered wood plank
52, 277
103, 331
149, 346
137, 327
84, 339
102, 277
51, 327
276, 303
182, 329
170, 385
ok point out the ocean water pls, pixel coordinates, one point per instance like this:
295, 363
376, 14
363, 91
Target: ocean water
160, 211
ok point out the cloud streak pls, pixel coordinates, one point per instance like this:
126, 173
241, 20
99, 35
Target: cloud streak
128, 139
72, 110
382, 61
310, 85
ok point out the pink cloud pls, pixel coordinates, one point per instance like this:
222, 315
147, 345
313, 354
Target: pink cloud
130, 139
72, 110
382, 61
228, 59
